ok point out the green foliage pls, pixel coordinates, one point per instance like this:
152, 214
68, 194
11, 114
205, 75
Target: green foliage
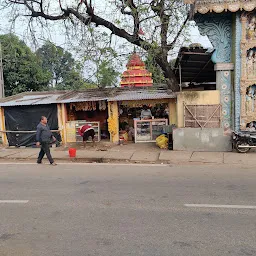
106, 74
153, 67
158, 27
51, 67
89, 85
72, 80
61, 67
102, 61
22, 70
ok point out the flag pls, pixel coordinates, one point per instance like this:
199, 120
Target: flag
141, 32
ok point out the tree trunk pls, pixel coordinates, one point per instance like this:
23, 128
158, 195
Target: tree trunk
168, 73
172, 83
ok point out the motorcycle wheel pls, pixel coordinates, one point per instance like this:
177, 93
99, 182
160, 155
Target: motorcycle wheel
241, 150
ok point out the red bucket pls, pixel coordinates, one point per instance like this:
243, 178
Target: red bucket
72, 152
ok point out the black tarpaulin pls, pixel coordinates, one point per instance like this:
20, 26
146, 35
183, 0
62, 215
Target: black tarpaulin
26, 118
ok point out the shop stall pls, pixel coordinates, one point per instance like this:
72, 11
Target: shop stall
81, 113
72, 130
113, 112
143, 121
148, 130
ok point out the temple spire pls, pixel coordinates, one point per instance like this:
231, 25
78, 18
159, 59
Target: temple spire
136, 74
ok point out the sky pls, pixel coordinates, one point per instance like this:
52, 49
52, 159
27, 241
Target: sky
197, 38
56, 32
20, 30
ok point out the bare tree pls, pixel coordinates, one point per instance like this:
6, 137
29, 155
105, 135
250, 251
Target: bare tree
156, 26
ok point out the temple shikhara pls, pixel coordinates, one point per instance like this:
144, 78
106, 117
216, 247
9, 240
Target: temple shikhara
136, 74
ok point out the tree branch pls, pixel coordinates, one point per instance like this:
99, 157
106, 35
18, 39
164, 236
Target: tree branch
134, 13
98, 21
158, 7
161, 9
148, 18
172, 44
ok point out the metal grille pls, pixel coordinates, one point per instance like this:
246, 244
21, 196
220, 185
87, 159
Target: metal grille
202, 116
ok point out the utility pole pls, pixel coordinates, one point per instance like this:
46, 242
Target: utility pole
1, 75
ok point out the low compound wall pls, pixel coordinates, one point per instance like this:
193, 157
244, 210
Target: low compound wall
195, 98
197, 139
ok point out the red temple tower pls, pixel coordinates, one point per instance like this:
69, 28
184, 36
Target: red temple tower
136, 74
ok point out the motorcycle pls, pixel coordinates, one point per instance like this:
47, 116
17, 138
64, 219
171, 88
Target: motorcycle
243, 142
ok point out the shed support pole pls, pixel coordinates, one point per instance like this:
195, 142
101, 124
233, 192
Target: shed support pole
64, 121
2, 124
180, 78
113, 121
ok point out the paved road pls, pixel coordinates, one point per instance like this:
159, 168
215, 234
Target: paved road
112, 210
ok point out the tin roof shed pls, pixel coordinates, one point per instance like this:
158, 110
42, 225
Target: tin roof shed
107, 94
31, 98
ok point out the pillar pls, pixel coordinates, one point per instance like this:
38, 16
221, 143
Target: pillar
172, 112
2, 127
61, 108
113, 121
237, 71
218, 28
64, 121
60, 124
224, 85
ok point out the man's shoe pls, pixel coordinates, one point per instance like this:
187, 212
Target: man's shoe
39, 162
54, 164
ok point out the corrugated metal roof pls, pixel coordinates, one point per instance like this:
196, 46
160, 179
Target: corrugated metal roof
116, 94
107, 94
142, 95
85, 95
202, 72
31, 98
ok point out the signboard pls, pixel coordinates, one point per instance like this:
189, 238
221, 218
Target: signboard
71, 131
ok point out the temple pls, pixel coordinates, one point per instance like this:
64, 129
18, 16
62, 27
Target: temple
231, 27
219, 6
136, 74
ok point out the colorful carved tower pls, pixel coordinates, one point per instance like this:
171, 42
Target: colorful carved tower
136, 74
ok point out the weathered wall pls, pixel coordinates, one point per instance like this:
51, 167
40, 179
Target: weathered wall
195, 98
173, 111
197, 139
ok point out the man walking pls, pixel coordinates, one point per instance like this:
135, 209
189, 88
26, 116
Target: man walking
86, 131
43, 138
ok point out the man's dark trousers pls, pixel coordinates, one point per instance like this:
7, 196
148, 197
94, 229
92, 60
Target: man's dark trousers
45, 149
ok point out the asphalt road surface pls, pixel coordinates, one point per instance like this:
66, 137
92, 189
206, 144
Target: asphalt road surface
112, 210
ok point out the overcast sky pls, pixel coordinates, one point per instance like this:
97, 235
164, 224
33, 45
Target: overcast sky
57, 33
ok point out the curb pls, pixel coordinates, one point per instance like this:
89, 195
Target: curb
108, 161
